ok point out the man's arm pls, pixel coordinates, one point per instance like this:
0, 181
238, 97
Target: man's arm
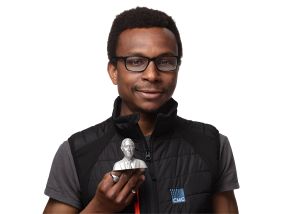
110, 197
224, 202
54, 206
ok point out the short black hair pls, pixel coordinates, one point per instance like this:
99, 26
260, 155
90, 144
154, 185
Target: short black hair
140, 17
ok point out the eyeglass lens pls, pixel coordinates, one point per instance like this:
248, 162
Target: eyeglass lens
138, 63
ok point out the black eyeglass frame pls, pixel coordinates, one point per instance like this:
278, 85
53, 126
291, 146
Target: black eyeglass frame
124, 58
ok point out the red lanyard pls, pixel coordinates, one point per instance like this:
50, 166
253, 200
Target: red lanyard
137, 204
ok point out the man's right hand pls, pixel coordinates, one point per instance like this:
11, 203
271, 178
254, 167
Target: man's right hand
110, 196
113, 197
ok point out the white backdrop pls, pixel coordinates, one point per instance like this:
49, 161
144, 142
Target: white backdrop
239, 72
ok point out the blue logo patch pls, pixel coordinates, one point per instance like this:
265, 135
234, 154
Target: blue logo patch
177, 195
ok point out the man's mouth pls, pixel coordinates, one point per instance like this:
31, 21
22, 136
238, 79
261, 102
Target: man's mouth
149, 93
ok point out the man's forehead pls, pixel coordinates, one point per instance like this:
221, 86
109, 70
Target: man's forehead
140, 40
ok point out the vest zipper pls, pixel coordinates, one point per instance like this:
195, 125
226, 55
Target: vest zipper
153, 194
148, 155
148, 149
150, 203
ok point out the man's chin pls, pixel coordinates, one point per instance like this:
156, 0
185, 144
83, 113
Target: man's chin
150, 108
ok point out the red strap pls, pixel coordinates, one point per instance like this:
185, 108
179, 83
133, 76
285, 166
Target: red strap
137, 204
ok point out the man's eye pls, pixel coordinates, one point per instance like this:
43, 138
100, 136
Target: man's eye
164, 62
135, 61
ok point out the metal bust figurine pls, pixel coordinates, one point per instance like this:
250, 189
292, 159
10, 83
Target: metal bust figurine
128, 162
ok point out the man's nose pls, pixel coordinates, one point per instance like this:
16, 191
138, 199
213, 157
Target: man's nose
151, 73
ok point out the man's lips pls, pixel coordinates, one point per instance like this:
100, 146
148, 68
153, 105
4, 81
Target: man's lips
150, 93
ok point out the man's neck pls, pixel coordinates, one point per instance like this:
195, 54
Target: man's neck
147, 123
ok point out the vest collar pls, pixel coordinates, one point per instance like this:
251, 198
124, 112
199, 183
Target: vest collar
128, 125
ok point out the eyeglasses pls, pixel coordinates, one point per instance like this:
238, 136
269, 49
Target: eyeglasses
140, 63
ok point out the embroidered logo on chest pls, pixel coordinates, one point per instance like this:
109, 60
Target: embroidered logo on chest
177, 195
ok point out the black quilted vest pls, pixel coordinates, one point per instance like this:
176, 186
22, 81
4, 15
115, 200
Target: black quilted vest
181, 156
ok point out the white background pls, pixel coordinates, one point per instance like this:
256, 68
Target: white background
240, 72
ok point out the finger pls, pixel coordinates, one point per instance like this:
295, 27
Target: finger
114, 192
120, 190
115, 176
132, 183
117, 173
117, 187
141, 180
138, 171
141, 171
134, 190
106, 183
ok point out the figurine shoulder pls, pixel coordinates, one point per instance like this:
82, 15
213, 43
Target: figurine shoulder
119, 165
139, 163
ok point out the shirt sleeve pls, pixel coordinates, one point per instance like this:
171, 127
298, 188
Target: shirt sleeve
227, 177
63, 184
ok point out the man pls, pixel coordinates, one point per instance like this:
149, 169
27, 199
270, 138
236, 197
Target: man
128, 162
190, 165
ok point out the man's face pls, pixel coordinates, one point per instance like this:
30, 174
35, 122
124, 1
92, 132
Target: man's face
128, 149
144, 91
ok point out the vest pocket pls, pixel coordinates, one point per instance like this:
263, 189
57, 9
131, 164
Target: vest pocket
185, 193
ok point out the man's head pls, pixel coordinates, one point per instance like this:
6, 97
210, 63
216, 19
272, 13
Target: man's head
140, 17
127, 147
144, 51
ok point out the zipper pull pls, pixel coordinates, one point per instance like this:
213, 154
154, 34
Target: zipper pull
148, 156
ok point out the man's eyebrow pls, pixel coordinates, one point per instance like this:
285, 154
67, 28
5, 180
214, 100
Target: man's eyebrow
168, 54
143, 55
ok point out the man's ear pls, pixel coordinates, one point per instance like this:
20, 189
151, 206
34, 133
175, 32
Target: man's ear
113, 73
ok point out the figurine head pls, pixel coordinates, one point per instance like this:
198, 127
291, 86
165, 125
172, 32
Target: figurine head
127, 147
